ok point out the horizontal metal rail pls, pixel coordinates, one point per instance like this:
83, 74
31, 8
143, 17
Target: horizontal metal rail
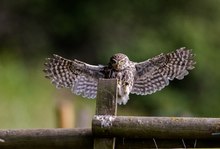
83, 139
156, 127
46, 138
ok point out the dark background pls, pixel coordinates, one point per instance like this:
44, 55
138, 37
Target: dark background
92, 31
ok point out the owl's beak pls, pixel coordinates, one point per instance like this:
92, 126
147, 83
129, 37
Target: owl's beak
115, 66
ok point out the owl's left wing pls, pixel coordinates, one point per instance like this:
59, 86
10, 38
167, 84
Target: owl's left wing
81, 77
154, 74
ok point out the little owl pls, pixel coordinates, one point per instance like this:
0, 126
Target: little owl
142, 78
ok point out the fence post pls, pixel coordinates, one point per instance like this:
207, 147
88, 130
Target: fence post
106, 104
65, 114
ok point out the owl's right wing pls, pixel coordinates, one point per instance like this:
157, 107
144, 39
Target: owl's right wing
81, 77
154, 74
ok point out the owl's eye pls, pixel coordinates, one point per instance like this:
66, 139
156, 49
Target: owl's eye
121, 62
113, 61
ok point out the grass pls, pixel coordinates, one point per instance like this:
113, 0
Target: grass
23, 93
28, 99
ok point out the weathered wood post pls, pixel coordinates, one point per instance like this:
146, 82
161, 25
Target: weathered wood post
65, 114
106, 104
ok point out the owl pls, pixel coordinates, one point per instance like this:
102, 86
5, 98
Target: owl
139, 78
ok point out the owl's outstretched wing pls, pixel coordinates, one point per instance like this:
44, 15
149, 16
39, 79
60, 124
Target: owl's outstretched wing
81, 77
154, 74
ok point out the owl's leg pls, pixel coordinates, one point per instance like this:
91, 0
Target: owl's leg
126, 88
123, 93
119, 87
125, 99
126, 91
120, 93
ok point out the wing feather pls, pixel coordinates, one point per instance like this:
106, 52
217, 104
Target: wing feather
154, 74
81, 77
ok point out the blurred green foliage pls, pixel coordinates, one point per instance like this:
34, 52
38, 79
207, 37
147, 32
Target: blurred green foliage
92, 31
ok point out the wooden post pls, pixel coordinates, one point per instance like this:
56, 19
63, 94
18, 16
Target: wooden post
65, 113
106, 104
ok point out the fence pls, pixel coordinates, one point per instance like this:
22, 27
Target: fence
121, 132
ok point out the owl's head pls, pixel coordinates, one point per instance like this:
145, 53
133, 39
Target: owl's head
119, 61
